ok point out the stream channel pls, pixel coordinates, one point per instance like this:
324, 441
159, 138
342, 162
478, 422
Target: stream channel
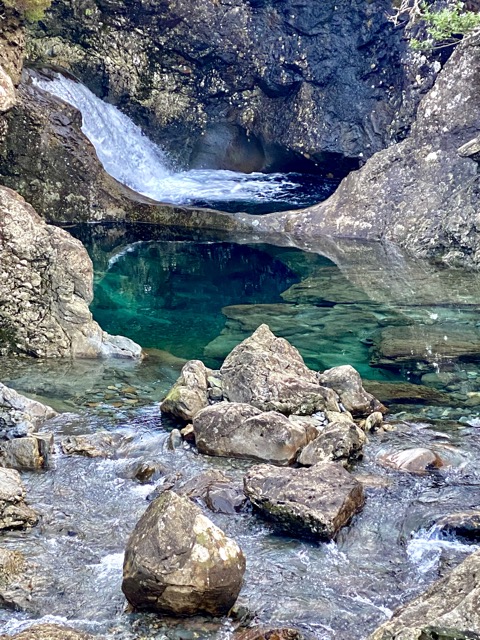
411, 330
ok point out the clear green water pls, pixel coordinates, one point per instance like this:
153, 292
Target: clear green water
185, 298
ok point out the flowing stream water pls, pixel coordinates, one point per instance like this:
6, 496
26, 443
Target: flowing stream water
403, 327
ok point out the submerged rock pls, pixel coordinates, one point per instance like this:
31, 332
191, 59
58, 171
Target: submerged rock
339, 441
447, 611
50, 632
190, 393
46, 280
268, 633
346, 382
270, 374
425, 346
242, 431
14, 513
219, 493
418, 460
178, 562
313, 503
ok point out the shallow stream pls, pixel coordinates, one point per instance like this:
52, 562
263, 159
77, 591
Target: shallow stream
181, 297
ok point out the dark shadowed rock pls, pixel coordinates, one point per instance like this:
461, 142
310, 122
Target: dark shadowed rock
14, 513
178, 562
269, 373
313, 503
50, 632
219, 493
242, 431
339, 441
190, 393
239, 84
464, 525
346, 382
447, 611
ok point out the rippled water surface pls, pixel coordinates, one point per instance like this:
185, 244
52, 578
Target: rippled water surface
188, 299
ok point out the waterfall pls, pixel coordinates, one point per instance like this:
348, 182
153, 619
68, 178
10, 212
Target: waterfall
134, 160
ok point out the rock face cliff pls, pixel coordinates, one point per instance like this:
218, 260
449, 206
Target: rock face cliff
240, 84
423, 193
46, 280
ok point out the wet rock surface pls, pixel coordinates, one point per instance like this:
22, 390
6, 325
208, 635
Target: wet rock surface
14, 513
45, 288
313, 503
50, 632
339, 441
348, 385
189, 395
418, 460
270, 374
240, 430
178, 562
20, 415
447, 610
15, 580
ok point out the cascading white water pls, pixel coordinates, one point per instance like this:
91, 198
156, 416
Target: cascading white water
134, 160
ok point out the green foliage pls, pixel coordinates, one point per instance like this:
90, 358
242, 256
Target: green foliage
33, 10
445, 27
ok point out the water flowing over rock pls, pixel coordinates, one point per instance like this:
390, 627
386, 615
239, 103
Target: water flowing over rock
464, 525
190, 393
239, 85
14, 513
312, 503
178, 562
421, 193
50, 632
269, 373
242, 431
418, 460
449, 609
19, 415
46, 282
340, 441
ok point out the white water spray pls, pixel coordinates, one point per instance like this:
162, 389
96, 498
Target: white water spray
135, 161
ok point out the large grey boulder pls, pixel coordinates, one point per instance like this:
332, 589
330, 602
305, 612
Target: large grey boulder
346, 382
190, 393
339, 441
420, 193
30, 453
447, 611
14, 513
270, 374
178, 562
46, 285
242, 431
50, 632
313, 503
